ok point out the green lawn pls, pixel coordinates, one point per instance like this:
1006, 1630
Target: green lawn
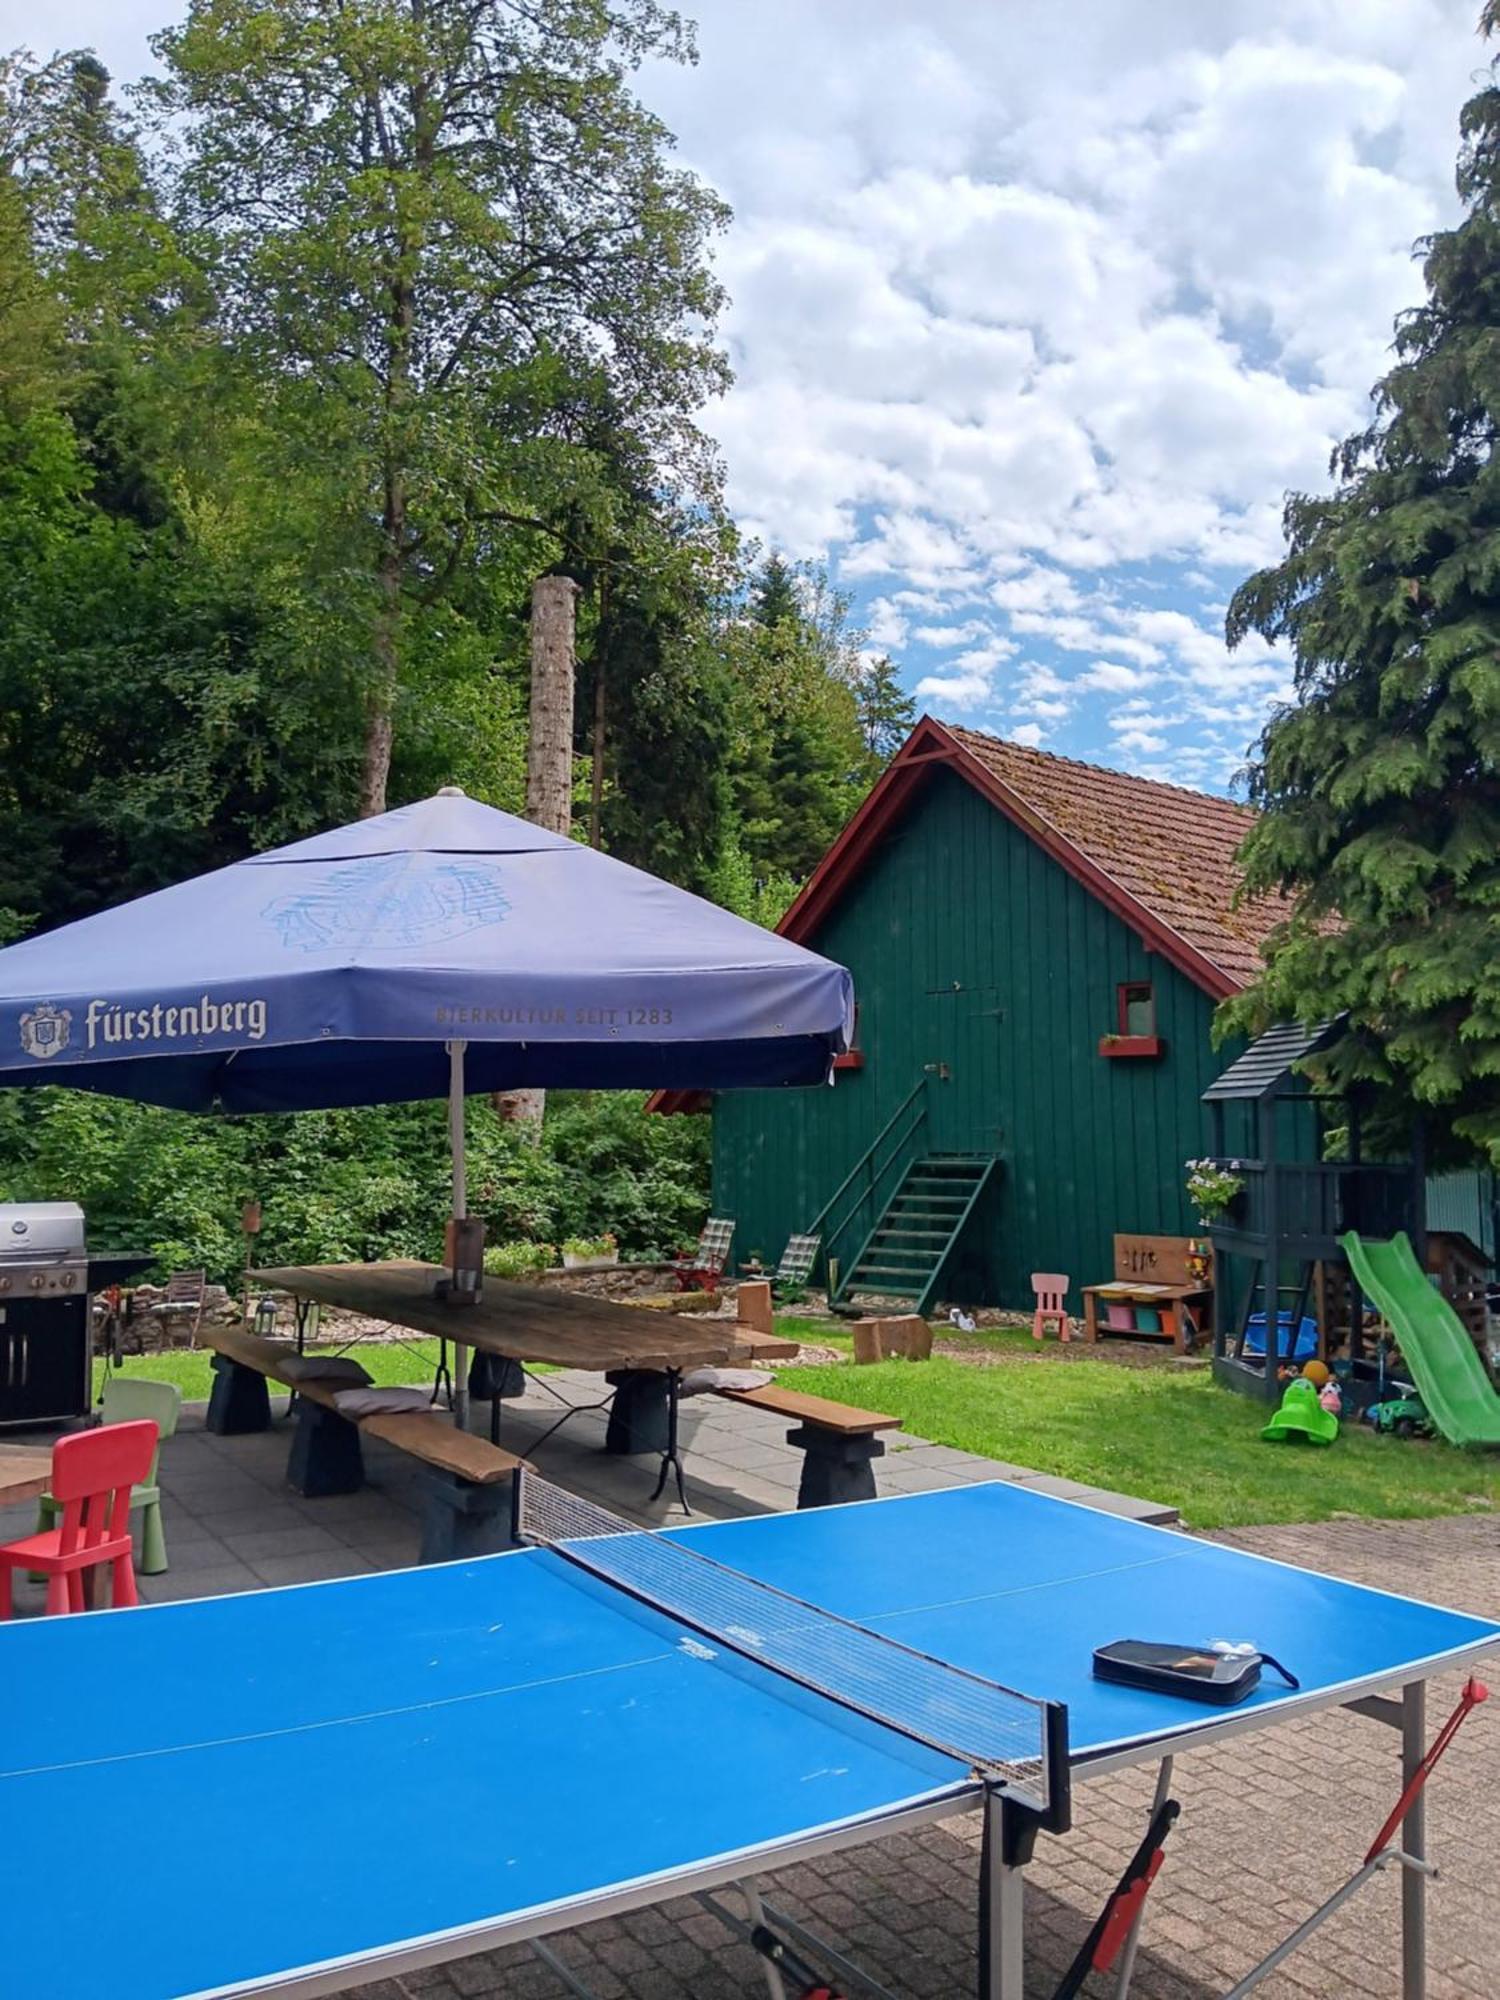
190, 1369
1164, 1433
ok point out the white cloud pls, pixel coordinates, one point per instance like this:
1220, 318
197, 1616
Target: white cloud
960, 690
1029, 733
1111, 677
1039, 310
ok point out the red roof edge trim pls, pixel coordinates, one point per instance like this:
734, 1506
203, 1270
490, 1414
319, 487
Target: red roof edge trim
929, 746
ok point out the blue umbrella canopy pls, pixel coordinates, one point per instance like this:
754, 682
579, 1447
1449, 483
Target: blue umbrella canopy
343, 970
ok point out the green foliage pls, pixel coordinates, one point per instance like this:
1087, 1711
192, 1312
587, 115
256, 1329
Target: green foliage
1380, 789
801, 764
519, 1259
344, 1186
887, 713
390, 309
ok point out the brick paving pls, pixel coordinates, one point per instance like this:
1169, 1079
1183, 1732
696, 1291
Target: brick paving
1271, 1822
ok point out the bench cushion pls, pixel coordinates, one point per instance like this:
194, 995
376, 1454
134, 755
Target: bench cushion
341, 1368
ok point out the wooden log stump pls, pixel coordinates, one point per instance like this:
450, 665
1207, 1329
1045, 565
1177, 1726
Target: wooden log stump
906, 1336
753, 1305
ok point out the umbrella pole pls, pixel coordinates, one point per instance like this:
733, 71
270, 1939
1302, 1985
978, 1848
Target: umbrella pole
460, 1210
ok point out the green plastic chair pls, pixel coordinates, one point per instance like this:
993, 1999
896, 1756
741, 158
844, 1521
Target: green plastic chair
124, 1401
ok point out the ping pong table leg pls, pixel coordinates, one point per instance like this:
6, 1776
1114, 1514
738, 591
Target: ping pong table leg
1414, 1843
1009, 1836
1132, 1942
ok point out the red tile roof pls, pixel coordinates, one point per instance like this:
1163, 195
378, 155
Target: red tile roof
1169, 849
1160, 856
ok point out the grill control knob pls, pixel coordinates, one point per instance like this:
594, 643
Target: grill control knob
39, 1282
69, 1280
4, 1282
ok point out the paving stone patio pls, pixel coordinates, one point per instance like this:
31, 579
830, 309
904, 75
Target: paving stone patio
1271, 1822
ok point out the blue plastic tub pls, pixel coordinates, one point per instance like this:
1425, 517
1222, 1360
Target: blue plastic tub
1306, 1346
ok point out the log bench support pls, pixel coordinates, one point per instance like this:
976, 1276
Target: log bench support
325, 1457
839, 1444
639, 1416
835, 1467
239, 1401
461, 1519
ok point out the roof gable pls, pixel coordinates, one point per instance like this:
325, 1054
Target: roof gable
1160, 856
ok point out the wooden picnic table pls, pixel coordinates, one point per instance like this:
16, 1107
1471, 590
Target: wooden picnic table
528, 1322
25, 1471
643, 1354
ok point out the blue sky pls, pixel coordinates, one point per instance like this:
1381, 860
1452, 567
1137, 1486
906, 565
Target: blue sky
1039, 310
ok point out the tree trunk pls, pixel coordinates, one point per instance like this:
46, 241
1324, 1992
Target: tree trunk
549, 757
380, 715
596, 744
549, 754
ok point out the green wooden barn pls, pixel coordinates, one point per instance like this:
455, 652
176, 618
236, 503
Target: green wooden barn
1037, 947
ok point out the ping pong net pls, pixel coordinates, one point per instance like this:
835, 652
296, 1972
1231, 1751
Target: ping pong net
1010, 1740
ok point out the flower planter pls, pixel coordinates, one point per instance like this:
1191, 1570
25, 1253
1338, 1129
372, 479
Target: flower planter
1132, 1045
573, 1262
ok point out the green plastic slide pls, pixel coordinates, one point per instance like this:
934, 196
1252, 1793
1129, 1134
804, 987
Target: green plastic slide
1440, 1355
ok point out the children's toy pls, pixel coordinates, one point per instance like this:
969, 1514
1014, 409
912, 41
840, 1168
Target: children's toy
1302, 1416
1403, 1417
1331, 1398
1319, 1373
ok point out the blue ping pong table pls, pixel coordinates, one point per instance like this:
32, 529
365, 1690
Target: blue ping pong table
489, 1751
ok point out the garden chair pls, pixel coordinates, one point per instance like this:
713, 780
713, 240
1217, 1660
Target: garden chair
795, 1268
1051, 1288
124, 1401
700, 1270
92, 1476
183, 1299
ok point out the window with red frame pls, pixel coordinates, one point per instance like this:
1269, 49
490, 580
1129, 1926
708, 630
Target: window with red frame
1136, 1005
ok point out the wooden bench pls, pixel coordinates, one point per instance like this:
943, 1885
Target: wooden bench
466, 1480
839, 1444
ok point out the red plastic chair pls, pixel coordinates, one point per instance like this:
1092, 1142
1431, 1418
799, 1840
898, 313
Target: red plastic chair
1051, 1288
92, 1474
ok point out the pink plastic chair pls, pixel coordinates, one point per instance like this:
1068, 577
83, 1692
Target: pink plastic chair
92, 1476
1051, 1288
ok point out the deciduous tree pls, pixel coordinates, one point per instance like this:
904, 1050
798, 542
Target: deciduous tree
432, 220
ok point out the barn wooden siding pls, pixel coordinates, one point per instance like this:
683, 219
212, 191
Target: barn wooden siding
971, 947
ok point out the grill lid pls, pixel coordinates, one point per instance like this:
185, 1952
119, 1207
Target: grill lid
40, 1231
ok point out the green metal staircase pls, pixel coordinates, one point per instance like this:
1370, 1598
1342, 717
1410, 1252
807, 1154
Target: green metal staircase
904, 1254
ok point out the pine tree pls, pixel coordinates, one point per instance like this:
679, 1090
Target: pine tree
887, 713
1379, 790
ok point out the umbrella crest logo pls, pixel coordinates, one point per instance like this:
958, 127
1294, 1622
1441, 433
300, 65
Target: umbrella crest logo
386, 904
45, 1030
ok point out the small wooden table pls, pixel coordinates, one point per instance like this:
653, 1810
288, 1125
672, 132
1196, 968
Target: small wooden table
1152, 1271
643, 1355
1182, 1308
25, 1471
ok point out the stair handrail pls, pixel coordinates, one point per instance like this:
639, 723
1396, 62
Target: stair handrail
872, 1173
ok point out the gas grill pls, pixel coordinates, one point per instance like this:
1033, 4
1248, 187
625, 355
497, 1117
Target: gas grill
45, 1347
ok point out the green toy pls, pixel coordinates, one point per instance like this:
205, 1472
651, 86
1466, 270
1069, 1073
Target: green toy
1405, 1416
1302, 1415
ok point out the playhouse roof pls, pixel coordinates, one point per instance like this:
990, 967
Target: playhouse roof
1268, 1067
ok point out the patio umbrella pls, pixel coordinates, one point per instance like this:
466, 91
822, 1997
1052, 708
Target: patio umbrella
440, 949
